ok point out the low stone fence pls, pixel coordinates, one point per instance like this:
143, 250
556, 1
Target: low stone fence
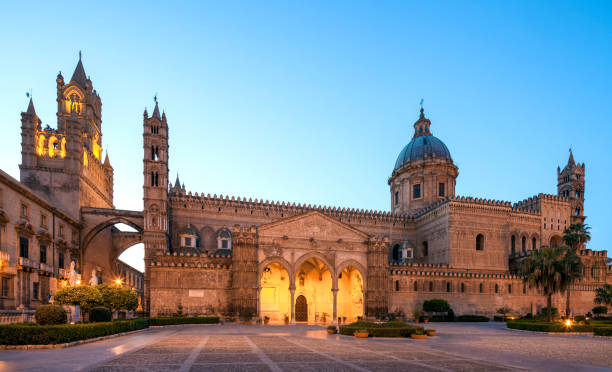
16, 316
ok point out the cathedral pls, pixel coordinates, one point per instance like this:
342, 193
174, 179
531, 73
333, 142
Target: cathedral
216, 254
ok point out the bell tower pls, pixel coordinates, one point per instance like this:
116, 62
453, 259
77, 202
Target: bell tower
570, 184
155, 190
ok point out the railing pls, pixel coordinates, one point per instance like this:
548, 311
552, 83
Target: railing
26, 262
45, 267
16, 316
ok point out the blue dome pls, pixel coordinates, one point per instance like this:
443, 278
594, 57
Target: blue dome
421, 147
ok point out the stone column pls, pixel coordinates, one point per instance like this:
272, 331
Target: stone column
292, 290
363, 302
335, 315
259, 303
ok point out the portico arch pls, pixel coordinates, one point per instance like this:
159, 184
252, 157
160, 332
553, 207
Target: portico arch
274, 296
351, 286
314, 280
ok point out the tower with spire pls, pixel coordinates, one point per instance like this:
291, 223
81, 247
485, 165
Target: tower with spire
65, 164
155, 190
570, 184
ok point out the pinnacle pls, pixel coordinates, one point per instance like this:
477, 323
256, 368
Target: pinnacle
156, 111
31, 110
79, 75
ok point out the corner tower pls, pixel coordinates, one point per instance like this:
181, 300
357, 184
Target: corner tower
570, 184
65, 164
155, 190
424, 171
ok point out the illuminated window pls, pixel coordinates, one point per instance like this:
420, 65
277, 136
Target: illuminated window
416, 191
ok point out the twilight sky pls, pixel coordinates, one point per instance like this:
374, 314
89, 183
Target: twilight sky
312, 102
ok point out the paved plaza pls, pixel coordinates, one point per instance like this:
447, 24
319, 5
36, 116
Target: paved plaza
457, 347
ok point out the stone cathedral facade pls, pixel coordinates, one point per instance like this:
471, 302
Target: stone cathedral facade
216, 254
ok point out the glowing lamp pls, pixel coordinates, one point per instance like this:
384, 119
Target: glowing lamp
78, 282
568, 323
118, 281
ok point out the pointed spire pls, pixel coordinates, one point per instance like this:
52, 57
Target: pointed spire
570, 161
146, 114
79, 75
177, 183
156, 111
106, 161
31, 110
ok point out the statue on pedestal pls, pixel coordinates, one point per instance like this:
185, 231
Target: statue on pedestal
73, 277
93, 281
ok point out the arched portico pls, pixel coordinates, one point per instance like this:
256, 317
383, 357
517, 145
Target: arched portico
274, 293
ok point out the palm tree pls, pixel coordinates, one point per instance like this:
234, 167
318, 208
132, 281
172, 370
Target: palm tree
603, 295
572, 272
544, 270
575, 236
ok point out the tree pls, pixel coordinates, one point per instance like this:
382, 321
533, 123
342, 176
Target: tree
83, 295
598, 310
118, 298
544, 270
572, 272
503, 311
574, 236
436, 305
603, 295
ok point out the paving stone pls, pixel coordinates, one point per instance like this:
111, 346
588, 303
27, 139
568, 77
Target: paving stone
227, 358
319, 366
251, 367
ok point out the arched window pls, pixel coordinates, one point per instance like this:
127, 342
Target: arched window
448, 287
533, 243
496, 288
224, 239
479, 242
396, 285
524, 244
395, 255
462, 287
430, 286
425, 249
416, 286
480, 287
510, 288
513, 245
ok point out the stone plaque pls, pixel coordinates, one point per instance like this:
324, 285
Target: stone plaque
196, 293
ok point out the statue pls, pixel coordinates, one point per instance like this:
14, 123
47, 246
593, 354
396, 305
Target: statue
93, 281
73, 277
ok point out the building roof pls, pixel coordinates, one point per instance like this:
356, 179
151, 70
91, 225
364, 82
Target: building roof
421, 147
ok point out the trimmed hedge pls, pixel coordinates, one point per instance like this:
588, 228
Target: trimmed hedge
22, 334
548, 327
50, 314
602, 331
388, 329
100, 314
471, 318
183, 320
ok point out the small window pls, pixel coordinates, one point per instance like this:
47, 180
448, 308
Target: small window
188, 242
6, 287
480, 287
61, 231
448, 287
524, 244
24, 210
396, 198
24, 245
416, 191
408, 253
524, 289
60, 260
430, 286
510, 288
416, 286
441, 189
533, 243
425, 249
496, 288
35, 291
479, 242
43, 220
43, 253
396, 285
513, 245
224, 244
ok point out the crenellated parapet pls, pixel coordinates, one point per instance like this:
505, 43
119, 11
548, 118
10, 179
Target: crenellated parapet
220, 261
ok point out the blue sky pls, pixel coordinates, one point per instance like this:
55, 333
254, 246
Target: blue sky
313, 101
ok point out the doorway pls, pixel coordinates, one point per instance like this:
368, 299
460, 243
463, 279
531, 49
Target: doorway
301, 309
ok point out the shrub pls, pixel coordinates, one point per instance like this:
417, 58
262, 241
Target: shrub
579, 318
83, 295
388, 329
21, 334
50, 314
602, 331
100, 314
471, 318
118, 298
598, 310
183, 320
436, 305
553, 310
331, 328
548, 327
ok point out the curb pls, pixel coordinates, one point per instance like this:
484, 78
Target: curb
68, 344
553, 333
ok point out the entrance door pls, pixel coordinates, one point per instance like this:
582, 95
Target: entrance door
301, 309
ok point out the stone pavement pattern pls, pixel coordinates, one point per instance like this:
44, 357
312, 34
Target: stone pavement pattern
459, 347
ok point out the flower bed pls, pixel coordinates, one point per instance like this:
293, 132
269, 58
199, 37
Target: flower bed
26, 334
183, 320
548, 327
388, 329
